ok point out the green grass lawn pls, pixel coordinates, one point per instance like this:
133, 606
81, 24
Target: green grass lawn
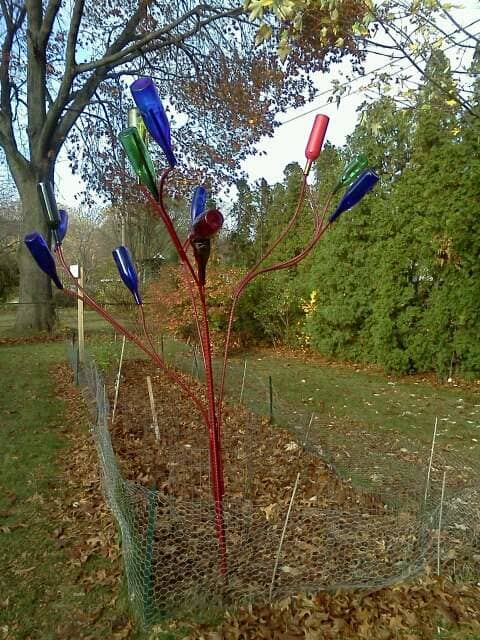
334, 393
344, 394
93, 322
67, 320
38, 584
42, 593
7, 320
372, 400
375, 429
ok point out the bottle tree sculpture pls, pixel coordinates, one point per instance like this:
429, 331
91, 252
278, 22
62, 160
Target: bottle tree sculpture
193, 252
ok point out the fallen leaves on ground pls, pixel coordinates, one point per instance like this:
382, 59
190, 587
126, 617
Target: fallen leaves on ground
39, 338
416, 611
83, 509
260, 463
85, 530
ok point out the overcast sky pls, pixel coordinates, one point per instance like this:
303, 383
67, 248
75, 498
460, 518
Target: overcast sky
288, 143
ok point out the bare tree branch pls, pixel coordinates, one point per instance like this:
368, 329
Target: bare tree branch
49, 18
117, 56
17, 161
473, 36
55, 132
400, 46
6, 14
60, 102
113, 59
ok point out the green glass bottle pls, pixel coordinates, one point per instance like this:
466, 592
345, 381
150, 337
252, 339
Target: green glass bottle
135, 120
352, 171
49, 204
139, 158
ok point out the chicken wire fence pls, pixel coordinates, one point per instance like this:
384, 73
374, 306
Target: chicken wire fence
358, 520
388, 463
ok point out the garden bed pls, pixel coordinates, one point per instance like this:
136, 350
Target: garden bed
337, 536
261, 460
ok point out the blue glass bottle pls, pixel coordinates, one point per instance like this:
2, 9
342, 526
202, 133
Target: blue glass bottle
199, 200
62, 226
148, 101
362, 185
127, 271
40, 251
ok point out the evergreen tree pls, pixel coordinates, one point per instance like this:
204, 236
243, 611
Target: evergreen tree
451, 320
396, 280
263, 194
341, 273
244, 213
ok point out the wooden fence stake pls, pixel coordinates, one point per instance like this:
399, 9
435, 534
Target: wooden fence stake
117, 381
243, 381
152, 407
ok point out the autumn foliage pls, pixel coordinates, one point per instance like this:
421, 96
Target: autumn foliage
169, 304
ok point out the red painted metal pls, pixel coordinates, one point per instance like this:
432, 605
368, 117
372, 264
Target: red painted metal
214, 436
205, 226
243, 283
208, 414
320, 229
128, 334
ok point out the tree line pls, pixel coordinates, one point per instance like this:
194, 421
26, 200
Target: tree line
395, 282
224, 67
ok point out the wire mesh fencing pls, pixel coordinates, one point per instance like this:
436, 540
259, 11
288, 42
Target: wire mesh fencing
391, 464
301, 513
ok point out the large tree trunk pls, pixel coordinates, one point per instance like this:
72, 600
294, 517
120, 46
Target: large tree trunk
36, 310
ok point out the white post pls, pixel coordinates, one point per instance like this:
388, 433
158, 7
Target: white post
282, 538
80, 318
431, 459
152, 407
117, 381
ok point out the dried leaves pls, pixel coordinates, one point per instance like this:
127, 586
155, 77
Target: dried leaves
85, 530
85, 525
261, 462
410, 611
413, 611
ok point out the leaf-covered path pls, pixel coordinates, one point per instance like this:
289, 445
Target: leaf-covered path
59, 564
60, 572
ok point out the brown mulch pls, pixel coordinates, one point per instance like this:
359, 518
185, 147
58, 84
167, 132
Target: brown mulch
261, 461
88, 511
38, 338
419, 610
